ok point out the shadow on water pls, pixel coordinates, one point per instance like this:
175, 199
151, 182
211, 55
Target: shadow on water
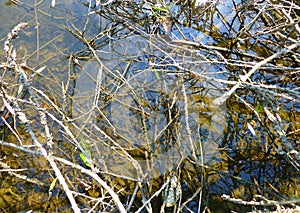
143, 87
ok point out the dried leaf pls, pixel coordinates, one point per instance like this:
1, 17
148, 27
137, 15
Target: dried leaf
40, 69
52, 185
270, 115
172, 192
251, 128
20, 89
8, 107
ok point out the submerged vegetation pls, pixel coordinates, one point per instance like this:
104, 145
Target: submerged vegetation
151, 106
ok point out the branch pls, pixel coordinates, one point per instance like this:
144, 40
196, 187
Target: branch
219, 101
75, 166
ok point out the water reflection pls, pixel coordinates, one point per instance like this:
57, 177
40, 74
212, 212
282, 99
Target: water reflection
147, 107
139, 80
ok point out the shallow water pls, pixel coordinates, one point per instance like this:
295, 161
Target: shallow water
139, 94
144, 87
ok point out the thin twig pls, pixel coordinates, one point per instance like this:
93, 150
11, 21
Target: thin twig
244, 78
75, 166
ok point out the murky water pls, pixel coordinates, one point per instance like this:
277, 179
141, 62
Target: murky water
138, 82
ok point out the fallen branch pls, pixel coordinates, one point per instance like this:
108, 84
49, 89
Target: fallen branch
219, 101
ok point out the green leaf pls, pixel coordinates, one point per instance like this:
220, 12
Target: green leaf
83, 157
158, 9
85, 146
258, 107
157, 75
